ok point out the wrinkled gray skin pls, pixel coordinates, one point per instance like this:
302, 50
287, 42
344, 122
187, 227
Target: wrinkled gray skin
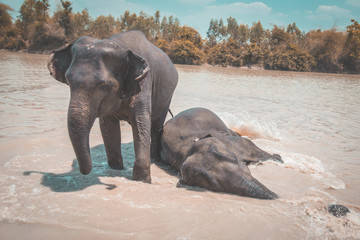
124, 77
209, 155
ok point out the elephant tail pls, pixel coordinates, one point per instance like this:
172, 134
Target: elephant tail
172, 115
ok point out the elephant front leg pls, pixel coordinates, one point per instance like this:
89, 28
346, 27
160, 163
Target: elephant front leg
141, 135
110, 131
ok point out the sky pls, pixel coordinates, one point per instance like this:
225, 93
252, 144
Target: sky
307, 14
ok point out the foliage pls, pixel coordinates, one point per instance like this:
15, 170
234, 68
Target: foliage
103, 27
326, 47
185, 52
257, 33
5, 17
216, 31
186, 47
65, 19
226, 53
292, 59
9, 34
253, 54
353, 40
351, 52
81, 23
228, 43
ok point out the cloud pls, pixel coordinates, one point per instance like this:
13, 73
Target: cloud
117, 8
197, 2
329, 13
244, 13
333, 11
326, 17
239, 8
355, 3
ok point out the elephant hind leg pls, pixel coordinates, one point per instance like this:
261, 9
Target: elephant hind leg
156, 132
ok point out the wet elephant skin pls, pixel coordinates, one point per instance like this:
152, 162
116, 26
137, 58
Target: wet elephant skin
209, 155
124, 77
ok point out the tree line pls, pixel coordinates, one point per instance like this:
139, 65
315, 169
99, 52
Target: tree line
227, 43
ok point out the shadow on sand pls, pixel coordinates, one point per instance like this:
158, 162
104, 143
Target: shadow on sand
74, 181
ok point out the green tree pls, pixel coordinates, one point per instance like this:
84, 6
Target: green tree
145, 24
32, 20
351, 52
216, 31
232, 29
253, 54
353, 39
157, 25
9, 34
185, 52
5, 17
187, 47
293, 59
103, 27
295, 33
82, 23
26, 18
41, 10
226, 53
279, 36
65, 19
244, 34
257, 33
188, 33
327, 48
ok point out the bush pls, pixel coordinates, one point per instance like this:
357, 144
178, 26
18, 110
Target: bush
293, 59
185, 52
227, 53
47, 38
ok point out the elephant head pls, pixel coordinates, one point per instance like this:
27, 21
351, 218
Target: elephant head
218, 163
98, 72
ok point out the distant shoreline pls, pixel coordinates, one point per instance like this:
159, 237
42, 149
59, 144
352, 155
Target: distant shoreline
255, 67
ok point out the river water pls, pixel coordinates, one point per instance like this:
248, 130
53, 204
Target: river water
312, 120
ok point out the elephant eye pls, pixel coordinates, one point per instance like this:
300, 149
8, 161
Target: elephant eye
103, 85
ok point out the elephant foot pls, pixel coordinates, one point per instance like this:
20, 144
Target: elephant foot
116, 163
141, 174
117, 166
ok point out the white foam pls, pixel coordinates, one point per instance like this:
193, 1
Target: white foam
304, 163
249, 126
313, 166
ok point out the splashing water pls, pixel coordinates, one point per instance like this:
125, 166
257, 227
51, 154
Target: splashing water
245, 125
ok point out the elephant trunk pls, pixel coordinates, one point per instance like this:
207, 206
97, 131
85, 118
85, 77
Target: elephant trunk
80, 121
247, 185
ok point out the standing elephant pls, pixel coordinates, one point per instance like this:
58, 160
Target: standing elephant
124, 77
208, 154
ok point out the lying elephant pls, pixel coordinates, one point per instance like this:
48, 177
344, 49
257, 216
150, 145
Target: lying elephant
208, 154
124, 77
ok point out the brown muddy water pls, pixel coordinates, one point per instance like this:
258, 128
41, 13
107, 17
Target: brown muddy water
312, 120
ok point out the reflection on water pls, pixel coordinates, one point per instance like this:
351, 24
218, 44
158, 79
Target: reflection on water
311, 119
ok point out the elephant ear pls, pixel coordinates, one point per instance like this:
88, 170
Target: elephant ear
58, 63
138, 69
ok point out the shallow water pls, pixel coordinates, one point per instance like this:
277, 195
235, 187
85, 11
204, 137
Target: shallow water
312, 120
